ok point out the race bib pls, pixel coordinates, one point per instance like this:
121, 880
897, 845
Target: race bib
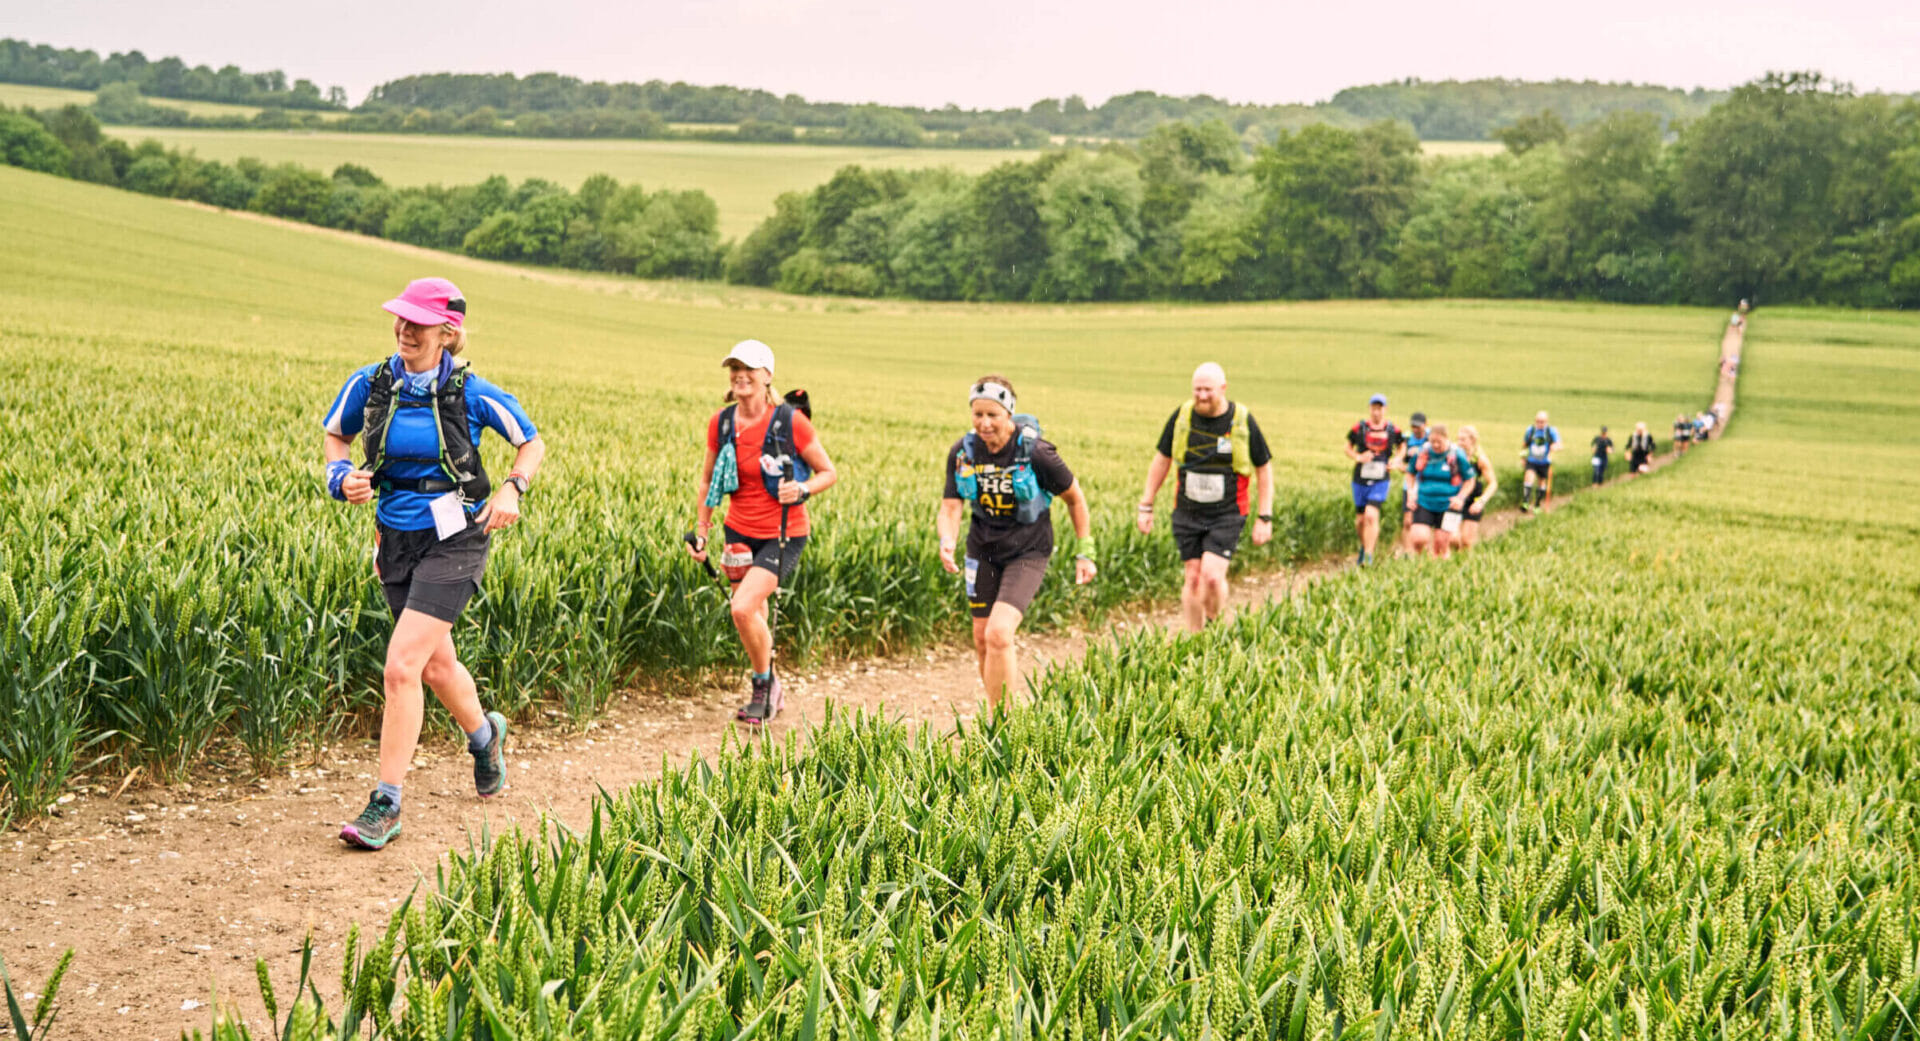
449, 515
1450, 521
1373, 470
973, 573
1206, 488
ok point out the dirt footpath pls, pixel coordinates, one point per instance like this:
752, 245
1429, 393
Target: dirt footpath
168, 895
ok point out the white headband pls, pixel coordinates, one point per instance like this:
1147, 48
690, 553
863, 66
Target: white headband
993, 392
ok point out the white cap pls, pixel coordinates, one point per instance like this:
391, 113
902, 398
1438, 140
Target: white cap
753, 354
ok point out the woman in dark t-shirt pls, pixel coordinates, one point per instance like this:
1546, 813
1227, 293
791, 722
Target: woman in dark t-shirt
1009, 476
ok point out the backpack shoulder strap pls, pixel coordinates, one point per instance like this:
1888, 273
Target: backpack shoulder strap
1182, 433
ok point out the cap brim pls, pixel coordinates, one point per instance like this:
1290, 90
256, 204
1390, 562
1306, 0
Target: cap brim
414, 313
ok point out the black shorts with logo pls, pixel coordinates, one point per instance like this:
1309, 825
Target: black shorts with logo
1430, 518
1012, 582
435, 576
1196, 536
766, 552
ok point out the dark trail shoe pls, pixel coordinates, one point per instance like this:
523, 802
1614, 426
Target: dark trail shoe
376, 826
764, 703
490, 763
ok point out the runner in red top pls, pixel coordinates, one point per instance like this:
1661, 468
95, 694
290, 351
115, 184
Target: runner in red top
767, 470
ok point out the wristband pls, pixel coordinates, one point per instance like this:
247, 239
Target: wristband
337, 471
1264, 518
1146, 507
1085, 550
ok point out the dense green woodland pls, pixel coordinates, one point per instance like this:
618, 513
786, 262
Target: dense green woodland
1787, 191
23, 62
548, 104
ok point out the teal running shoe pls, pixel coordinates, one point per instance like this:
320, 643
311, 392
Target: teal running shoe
376, 826
490, 763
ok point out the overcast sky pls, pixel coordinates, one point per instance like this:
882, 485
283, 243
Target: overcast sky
998, 53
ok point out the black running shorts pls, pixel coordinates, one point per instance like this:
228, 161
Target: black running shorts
766, 552
429, 574
1012, 582
1196, 536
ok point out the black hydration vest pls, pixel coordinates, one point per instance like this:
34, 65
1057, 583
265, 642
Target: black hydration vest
459, 458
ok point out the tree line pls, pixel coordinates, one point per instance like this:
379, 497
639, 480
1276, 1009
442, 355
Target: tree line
1790, 190
46, 66
547, 104
602, 226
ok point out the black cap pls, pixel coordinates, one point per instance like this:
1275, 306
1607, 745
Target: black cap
1418, 419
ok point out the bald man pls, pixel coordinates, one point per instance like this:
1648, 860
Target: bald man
1220, 453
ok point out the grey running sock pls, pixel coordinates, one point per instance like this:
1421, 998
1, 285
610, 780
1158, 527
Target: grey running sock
477, 739
392, 792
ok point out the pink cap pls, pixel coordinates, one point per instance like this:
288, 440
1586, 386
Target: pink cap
430, 301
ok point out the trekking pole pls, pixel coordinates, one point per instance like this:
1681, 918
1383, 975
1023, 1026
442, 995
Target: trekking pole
779, 582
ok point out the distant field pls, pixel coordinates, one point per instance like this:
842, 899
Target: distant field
17, 94
1459, 148
743, 179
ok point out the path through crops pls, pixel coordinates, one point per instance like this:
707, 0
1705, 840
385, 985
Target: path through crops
168, 895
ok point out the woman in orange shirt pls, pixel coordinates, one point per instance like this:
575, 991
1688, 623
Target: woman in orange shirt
763, 458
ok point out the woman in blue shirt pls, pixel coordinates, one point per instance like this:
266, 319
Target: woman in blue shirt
1443, 479
419, 415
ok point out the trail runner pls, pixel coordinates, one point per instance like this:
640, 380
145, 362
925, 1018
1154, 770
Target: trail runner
1415, 440
419, 415
1219, 453
1640, 449
1602, 451
1539, 443
1486, 481
1443, 479
1009, 476
1371, 444
764, 460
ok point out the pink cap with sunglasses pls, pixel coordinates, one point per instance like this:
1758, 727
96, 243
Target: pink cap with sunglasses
430, 301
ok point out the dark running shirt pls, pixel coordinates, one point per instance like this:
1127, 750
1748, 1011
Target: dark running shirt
1640, 444
1381, 441
993, 535
1603, 446
1202, 455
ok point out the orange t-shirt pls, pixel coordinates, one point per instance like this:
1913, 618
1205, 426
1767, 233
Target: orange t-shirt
751, 511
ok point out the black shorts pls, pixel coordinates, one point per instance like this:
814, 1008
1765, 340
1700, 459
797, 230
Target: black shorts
1474, 512
431, 575
766, 552
1196, 536
1638, 460
1431, 518
1544, 471
1012, 582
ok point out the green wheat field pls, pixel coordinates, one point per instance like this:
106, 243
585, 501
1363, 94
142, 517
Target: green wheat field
1644, 768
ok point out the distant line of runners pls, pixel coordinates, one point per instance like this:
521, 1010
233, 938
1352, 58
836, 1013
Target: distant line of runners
420, 413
